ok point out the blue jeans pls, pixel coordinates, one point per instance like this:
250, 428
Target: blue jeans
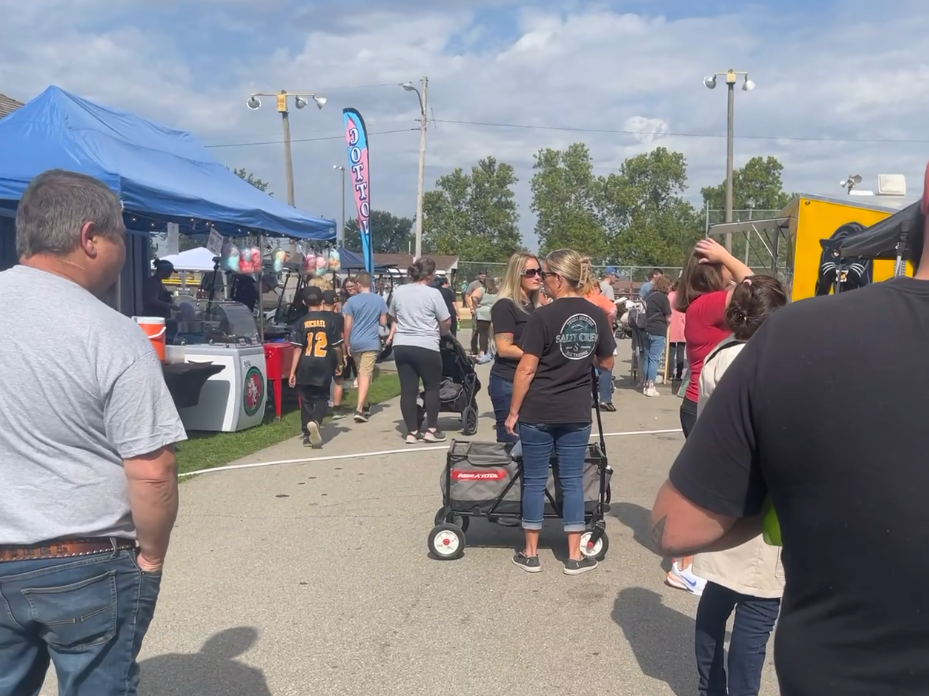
754, 621
569, 444
605, 385
87, 616
654, 345
501, 394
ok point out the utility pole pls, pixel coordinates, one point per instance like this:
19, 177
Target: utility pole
423, 124
423, 95
288, 152
710, 83
300, 101
730, 146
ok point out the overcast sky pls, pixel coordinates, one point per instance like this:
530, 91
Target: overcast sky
837, 82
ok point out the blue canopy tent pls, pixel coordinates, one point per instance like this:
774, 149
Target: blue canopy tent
354, 261
161, 175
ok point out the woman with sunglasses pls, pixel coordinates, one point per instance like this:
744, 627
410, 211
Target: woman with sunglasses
550, 405
517, 297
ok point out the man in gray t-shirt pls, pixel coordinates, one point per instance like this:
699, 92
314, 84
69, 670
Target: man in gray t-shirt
606, 285
87, 427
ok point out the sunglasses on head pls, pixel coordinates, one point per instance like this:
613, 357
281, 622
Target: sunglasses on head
532, 272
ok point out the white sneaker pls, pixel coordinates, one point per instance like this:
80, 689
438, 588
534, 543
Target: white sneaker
684, 579
652, 391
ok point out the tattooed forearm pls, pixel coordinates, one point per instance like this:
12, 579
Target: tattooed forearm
658, 534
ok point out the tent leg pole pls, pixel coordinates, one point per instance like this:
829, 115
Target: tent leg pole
261, 293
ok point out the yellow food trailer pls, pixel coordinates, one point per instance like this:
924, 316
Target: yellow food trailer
789, 245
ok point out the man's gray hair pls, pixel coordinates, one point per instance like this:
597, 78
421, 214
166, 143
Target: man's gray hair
54, 208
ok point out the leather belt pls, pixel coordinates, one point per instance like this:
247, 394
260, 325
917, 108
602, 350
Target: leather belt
64, 548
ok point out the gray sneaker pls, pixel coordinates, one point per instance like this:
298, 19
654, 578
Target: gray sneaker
530, 564
579, 567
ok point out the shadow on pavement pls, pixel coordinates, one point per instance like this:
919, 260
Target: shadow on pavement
635, 517
661, 638
214, 671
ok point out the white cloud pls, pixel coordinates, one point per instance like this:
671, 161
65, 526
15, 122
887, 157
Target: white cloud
646, 130
851, 74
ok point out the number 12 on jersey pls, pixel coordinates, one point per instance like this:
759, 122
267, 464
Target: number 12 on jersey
317, 344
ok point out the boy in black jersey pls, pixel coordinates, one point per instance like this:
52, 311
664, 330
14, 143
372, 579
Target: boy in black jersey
331, 304
318, 337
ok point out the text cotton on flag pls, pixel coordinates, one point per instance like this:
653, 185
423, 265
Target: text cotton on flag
356, 138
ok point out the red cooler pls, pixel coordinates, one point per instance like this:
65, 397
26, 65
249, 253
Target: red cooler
278, 357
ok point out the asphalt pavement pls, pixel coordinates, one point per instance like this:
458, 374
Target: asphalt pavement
312, 577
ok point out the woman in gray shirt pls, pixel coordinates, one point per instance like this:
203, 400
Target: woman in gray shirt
420, 317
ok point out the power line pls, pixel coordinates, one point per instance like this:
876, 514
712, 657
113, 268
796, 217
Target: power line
569, 129
308, 140
602, 131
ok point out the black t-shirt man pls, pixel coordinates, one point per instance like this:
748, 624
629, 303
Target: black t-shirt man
245, 290
507, 318
825, 411
566, 336
657, 311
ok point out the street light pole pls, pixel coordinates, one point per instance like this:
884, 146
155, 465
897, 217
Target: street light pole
300, 101
423, 96
341, 236
288, 152
710, 82
730, 145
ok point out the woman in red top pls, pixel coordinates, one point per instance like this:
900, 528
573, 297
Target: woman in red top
703, 295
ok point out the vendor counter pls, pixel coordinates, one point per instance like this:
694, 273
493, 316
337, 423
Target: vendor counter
220, 383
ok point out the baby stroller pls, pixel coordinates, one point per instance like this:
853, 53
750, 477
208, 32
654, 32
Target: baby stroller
460, 386
482, 479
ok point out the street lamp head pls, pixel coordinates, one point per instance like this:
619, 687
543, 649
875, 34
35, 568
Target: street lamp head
339, 167
408, 86
320, 101
710, 82
253, 102
300, 102
748, 85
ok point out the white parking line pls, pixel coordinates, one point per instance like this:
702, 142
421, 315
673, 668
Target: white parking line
385, 453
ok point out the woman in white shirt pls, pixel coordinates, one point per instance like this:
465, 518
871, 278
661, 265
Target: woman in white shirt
748, 579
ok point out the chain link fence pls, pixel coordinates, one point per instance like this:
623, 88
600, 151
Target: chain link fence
755, 248
468, 271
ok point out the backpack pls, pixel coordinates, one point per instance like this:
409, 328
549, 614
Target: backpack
637, 316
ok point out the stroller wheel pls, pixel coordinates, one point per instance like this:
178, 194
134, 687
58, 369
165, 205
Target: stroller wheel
446, 542
469, 421
442, 517
599, 549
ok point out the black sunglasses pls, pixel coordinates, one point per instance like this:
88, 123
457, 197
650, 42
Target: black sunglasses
532, 272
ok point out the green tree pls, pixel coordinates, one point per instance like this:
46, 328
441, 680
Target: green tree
756, 186
259, 184
473, 216
565, 195
389, 233
648, 221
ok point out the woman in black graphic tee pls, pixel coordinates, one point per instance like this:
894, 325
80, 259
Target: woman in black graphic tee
561, 343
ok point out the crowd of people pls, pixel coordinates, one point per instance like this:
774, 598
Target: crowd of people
772, 411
